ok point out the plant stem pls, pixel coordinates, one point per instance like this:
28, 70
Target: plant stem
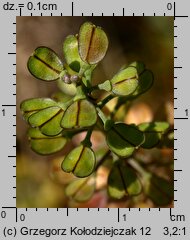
137, 167
80, 94
105, 100
120, 102
101, 115
65, 105
87, 141
101, 161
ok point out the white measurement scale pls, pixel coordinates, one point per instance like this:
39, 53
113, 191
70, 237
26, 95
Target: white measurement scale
157, 223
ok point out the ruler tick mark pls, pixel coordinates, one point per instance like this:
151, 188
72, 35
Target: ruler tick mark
182, 118
174, 10
72, 8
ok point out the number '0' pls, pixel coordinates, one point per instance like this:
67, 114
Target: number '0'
169, 6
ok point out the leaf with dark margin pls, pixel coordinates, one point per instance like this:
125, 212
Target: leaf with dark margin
30, 106
93, 43
45, 145
80, 161
80, 114
125, 82
123, 139
71, 53
153, 133
44, 64
159, 190
123, 181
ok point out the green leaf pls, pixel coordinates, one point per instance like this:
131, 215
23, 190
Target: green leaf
105, 86
80, 161
70, 50
80, 114
30, 106
159, 190
48, 120
167, 140
93, 43
123, 181
45, 114
125, 81
69, 89
42, 116
123, 139
81, 189
153, 133
145, 79
140, 66
88, 76
44, 64
61, 97
52, 127
45, 145
35, 104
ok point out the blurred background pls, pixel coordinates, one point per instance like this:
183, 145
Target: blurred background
40, 181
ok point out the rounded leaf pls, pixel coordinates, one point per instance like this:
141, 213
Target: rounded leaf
81, 189
146, 80
45, 145
30, 106
80, 161
48, 120
123, 181
159, 190
71, 53
125, 82
80, 114
123, 139
93, 43
153, 133
61, 97
52, 127
44, 64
